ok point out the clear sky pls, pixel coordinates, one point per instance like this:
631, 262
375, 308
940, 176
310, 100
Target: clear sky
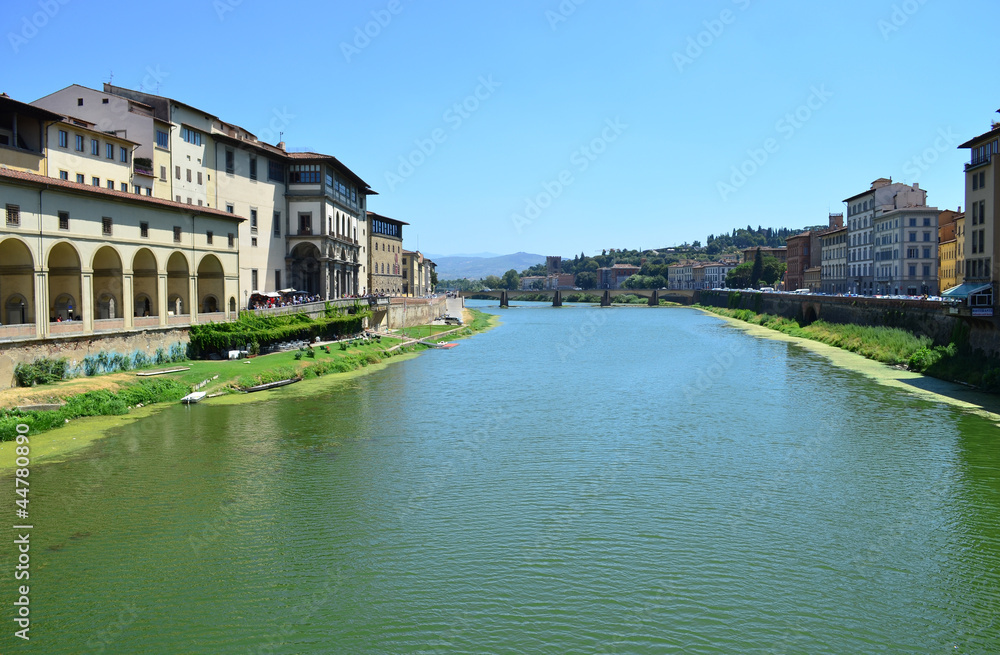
559, 127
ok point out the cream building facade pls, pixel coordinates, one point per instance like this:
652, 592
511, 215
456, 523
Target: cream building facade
80, 259
385, 255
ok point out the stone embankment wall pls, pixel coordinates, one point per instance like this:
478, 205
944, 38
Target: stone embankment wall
414, 311
918, 317
75, 349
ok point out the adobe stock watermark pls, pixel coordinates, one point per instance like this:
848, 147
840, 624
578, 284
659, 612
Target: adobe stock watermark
223, 7
900, 16
580, 160
706, 38
708, 376
30, 25
786, 127
562, 13
579, 336
921, 163
365, 34
454, 117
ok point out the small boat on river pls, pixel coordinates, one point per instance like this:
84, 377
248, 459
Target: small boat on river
272, 385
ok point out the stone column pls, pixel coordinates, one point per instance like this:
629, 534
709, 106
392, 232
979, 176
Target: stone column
193, 298
161, 298
128, 300
86, 307
41, 304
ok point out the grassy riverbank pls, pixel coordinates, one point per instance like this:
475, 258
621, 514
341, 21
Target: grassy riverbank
120, 394
892, 346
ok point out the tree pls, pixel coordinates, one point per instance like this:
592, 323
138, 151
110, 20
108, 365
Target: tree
493, 282
586, 280
772, 270
511, 280
538, 285
434, 279
739, 277
758, 268
696, 244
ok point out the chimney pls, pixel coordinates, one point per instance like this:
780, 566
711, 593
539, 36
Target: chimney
916, 186
281, 145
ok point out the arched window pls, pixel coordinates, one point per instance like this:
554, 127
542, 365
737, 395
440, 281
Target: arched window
17, 310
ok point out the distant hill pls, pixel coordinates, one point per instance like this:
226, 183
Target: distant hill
475, 268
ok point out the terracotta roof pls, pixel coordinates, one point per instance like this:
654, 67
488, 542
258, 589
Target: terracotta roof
12, 174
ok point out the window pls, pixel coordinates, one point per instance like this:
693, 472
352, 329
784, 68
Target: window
253, 221
162, 139
64, 175
63, 220
106, 226
253, 167
208, 237
199, 178
232, 239
982, 211
79, 178
177, 172
275, 171
927, 236
304, 174
305, 223
95, 147
982, 178
95, 181
189, 201
191, 136
230, 161
177, 198
277, 278
927, 222
13, 215
177, 234
913, 236
927, 270
253, 279
927, 253
124, 187
79, 143
79, 102
109, 150
230, 208
149, 191
253, 241
63, 139
144, 230
277, 224
123, 155
189, 175
163, 173
111, 184
199, 202
913, 222
975, 181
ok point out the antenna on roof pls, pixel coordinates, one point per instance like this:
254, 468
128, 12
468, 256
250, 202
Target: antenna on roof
111, 78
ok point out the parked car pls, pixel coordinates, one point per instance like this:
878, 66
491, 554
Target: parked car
451, 320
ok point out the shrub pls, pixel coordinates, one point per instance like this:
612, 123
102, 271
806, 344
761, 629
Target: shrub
41, 371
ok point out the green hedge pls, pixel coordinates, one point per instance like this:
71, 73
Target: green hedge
265, 330
41, 371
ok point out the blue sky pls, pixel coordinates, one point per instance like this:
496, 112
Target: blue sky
560, 127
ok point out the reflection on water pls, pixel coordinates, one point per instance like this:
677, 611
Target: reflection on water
655, 482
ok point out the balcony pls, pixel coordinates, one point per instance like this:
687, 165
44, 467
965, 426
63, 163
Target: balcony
978, 161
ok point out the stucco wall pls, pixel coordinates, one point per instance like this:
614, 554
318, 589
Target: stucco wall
75, 349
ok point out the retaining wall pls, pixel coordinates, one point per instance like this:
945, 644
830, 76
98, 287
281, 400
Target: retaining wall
75, 349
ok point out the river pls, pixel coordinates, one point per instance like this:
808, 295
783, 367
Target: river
578, 480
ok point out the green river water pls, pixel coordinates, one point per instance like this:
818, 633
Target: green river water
626, 480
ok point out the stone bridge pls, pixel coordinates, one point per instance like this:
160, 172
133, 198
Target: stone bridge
654, 296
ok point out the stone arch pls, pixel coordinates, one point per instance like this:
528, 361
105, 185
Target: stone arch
16, 282
211, 284
107, 265
145, 283
305, 268
65, 282
178, 285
